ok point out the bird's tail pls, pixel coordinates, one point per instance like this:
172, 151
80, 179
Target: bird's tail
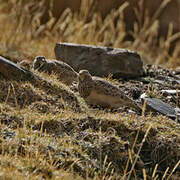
133, 104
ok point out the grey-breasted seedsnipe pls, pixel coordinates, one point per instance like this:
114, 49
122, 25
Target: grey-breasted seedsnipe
64, 72
97, 91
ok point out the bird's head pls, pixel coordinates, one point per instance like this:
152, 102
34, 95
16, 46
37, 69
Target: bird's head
39, 61
84, 74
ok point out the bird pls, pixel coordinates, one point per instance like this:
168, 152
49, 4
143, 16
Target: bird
97, 91
65, 73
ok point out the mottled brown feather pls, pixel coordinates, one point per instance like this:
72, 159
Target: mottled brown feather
98, 91
64, 72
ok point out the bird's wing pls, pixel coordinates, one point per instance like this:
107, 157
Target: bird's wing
66, 68
105, 87
63, 65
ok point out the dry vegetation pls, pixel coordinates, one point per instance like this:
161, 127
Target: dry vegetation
47, 131
23, 35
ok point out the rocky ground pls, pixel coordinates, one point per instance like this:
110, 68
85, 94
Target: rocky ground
158, 83
47, 121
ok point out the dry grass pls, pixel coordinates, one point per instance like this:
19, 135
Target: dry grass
37, 143
45, 136
23, 36
47, 131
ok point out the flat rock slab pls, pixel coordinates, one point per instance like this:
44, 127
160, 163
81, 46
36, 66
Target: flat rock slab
159, 106
171, 92
13, 71
101, 61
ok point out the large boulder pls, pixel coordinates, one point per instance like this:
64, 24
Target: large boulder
10, 70
100, 61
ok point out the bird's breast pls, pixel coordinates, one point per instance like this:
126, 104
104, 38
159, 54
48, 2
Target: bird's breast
84, 89
96, 98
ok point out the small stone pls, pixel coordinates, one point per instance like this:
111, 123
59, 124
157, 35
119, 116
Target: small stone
157, 105
171, 92
177, 71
